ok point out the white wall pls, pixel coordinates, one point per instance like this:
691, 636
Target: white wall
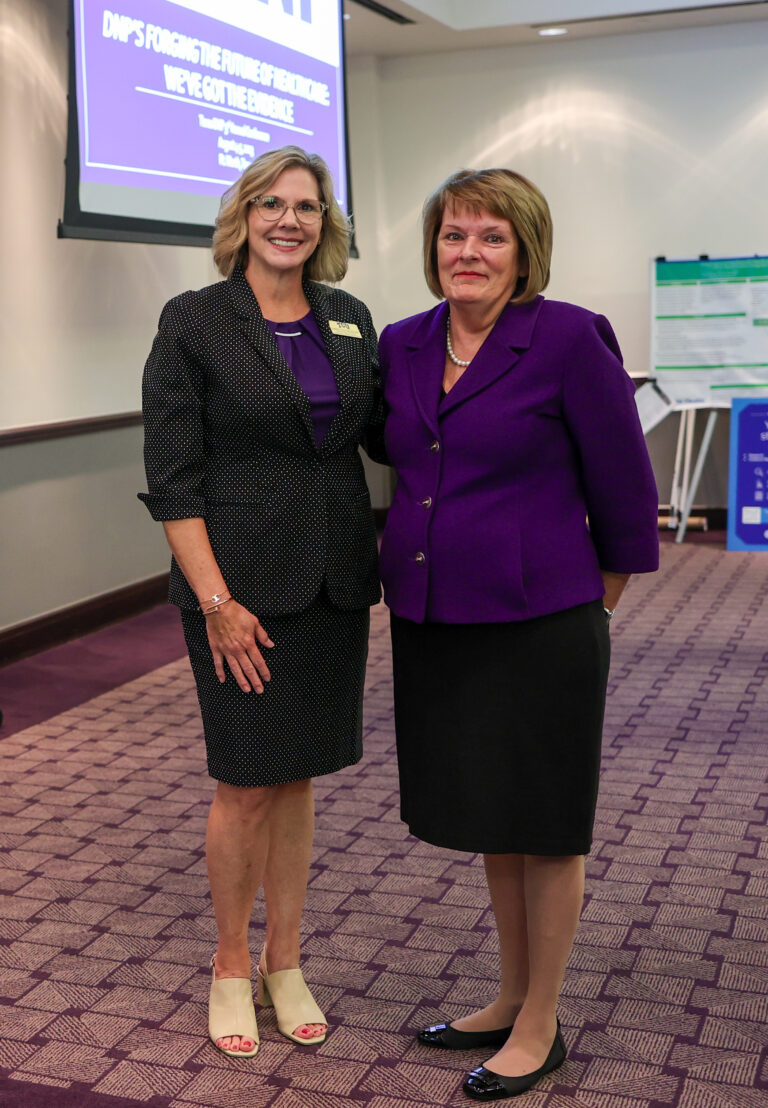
643, 144
76, 322
77, 316
70, 522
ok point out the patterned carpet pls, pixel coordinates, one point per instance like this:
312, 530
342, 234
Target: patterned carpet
105, 924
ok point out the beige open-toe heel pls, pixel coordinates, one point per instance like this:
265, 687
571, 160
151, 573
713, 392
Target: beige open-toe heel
293, 1002
231, 1012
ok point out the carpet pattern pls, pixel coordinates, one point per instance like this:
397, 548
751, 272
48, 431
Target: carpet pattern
106, 925
58, 679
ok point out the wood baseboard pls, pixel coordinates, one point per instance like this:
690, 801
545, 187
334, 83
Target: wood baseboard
707, 519
54, 628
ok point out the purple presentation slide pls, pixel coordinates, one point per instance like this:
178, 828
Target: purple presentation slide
174, 100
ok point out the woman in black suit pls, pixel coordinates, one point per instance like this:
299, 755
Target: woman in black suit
257, 392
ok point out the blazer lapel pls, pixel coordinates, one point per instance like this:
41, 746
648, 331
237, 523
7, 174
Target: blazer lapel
512, 333
426, 361
252, 324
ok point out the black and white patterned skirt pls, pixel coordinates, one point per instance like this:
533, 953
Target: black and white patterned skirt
308, 720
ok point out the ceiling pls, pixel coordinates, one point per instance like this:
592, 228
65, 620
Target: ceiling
470, 24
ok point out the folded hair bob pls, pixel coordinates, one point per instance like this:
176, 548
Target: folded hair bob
506, 195
329, 260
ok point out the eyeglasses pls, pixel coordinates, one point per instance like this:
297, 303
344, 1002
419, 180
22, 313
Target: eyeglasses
273, 208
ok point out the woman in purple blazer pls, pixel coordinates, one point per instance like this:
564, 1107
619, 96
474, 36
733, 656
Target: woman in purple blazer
525, 499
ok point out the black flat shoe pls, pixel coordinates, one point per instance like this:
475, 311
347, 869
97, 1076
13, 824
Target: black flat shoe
483, 1084
450, 1038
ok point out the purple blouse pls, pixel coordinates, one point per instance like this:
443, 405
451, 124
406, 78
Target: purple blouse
302, 346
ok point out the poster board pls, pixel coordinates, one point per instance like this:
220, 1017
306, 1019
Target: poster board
748, 476
709, 329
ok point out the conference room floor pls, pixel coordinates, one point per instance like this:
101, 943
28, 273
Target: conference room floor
106, 927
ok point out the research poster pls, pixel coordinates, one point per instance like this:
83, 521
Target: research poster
709, 329
177, 97
748, 476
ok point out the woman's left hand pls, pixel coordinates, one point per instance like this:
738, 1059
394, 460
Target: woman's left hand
613, 586
234, 636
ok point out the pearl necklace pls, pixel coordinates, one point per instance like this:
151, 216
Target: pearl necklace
449, 346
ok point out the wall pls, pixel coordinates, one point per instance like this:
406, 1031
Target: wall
78, 316
71, 524
77, 321
644, 145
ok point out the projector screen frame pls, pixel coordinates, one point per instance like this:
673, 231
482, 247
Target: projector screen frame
79, 224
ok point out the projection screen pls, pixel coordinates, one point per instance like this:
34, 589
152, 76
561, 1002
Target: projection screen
171, 99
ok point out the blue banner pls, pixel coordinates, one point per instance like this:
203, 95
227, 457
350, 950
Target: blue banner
748, 475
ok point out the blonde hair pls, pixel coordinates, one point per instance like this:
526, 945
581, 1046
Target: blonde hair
506, 195
330, 258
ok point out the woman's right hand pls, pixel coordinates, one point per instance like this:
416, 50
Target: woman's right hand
234, 635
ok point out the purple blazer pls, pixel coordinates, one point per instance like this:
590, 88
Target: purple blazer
497, 481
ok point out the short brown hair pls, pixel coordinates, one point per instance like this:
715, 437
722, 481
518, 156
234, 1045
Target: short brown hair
506, 195
329, 260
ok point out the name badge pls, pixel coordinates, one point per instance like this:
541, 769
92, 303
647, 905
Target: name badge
351, 330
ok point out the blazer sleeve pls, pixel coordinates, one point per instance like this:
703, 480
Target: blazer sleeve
373, 437
174, 448
384, 350
601, 415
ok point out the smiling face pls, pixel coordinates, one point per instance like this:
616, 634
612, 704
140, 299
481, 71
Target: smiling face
285, 244
479, 259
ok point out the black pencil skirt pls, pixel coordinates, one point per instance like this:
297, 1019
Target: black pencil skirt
499, 728
308, 720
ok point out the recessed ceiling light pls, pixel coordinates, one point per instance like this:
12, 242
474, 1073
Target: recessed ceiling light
550, 32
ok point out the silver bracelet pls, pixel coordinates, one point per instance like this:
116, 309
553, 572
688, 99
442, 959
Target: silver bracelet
216, 607
609, 613
217, 598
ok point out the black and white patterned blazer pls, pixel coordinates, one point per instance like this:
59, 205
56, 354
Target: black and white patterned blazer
229, 437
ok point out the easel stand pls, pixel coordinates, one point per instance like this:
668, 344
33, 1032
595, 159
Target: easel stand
684, 484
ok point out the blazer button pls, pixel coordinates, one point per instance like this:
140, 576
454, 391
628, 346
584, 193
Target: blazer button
419, 558
426, 502
435, 447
